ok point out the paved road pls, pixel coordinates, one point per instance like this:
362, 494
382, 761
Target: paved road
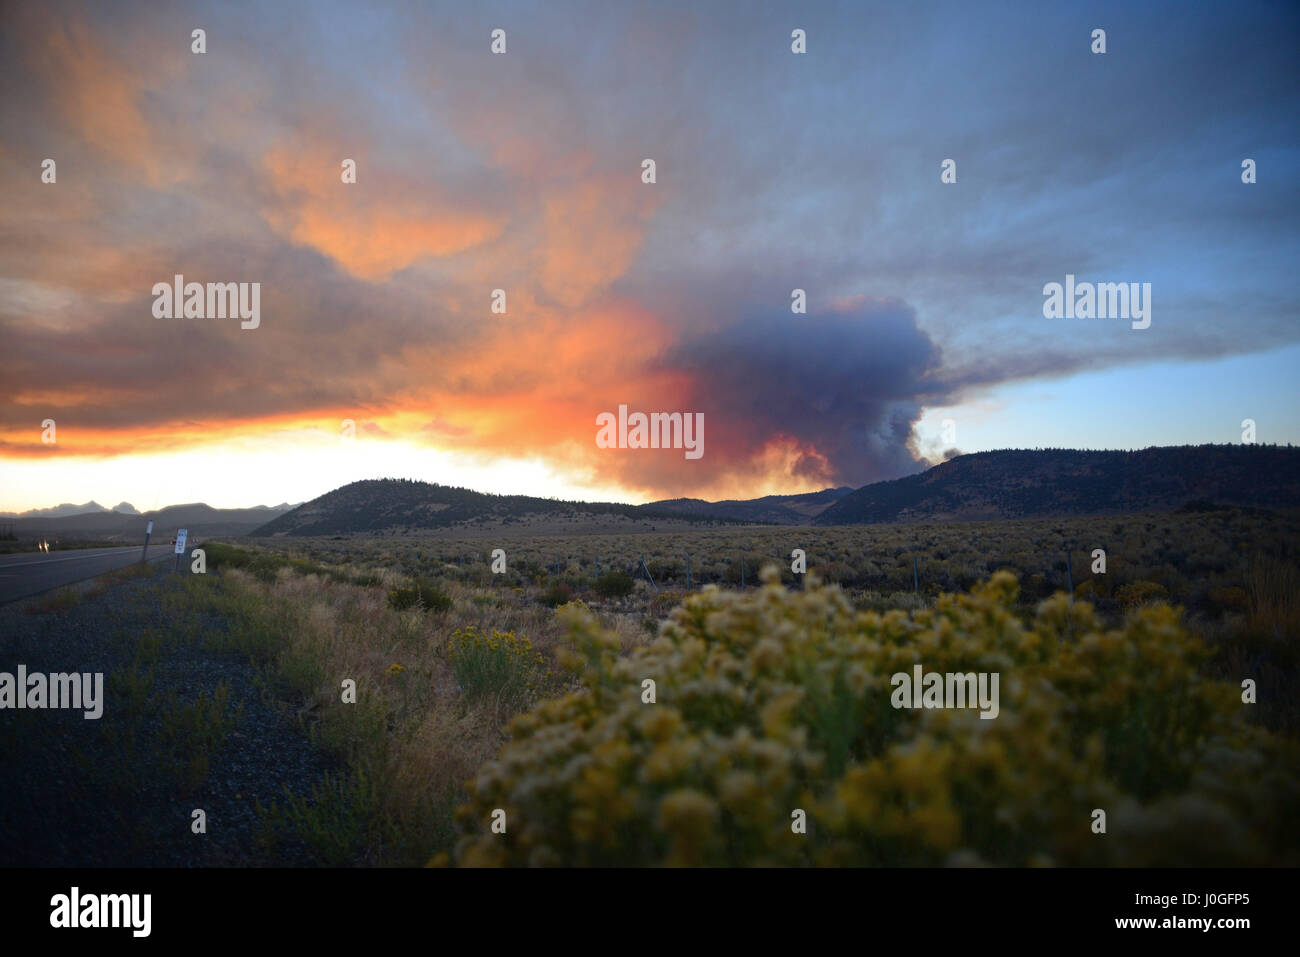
31, 573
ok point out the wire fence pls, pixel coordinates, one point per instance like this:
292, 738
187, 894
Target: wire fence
740, 570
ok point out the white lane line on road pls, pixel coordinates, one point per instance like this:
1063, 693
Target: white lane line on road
72, 558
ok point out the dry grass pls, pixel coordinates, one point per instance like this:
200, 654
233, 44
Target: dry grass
71, 595
411, 730
60, 599
412, 739
1274, 590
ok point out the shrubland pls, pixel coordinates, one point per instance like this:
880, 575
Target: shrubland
523, 692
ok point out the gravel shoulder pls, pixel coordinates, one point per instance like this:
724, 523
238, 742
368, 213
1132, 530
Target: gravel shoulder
184, 727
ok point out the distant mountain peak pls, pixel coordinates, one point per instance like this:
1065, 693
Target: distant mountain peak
59, 511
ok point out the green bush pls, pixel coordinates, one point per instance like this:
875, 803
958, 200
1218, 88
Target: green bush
220, 557
435, 600
753, 563
666, 569
556, 594
422, 592
500, 665
614, 584
403, 598
265, 566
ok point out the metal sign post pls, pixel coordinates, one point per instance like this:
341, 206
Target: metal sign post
147, 532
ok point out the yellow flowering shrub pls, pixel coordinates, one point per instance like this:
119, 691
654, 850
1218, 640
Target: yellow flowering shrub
571, 604
769, 702
500, 665
1137, 593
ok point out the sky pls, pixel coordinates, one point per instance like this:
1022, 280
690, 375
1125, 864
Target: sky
377, 352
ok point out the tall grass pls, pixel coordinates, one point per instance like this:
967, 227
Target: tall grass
433, 692
1274, 589
500, 666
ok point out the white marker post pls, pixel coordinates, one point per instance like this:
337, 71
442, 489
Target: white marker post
147, 532
180, 546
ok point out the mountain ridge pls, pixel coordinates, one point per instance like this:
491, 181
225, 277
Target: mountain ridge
201, 520
1029, 483
775, 509
388, 505
982, 486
